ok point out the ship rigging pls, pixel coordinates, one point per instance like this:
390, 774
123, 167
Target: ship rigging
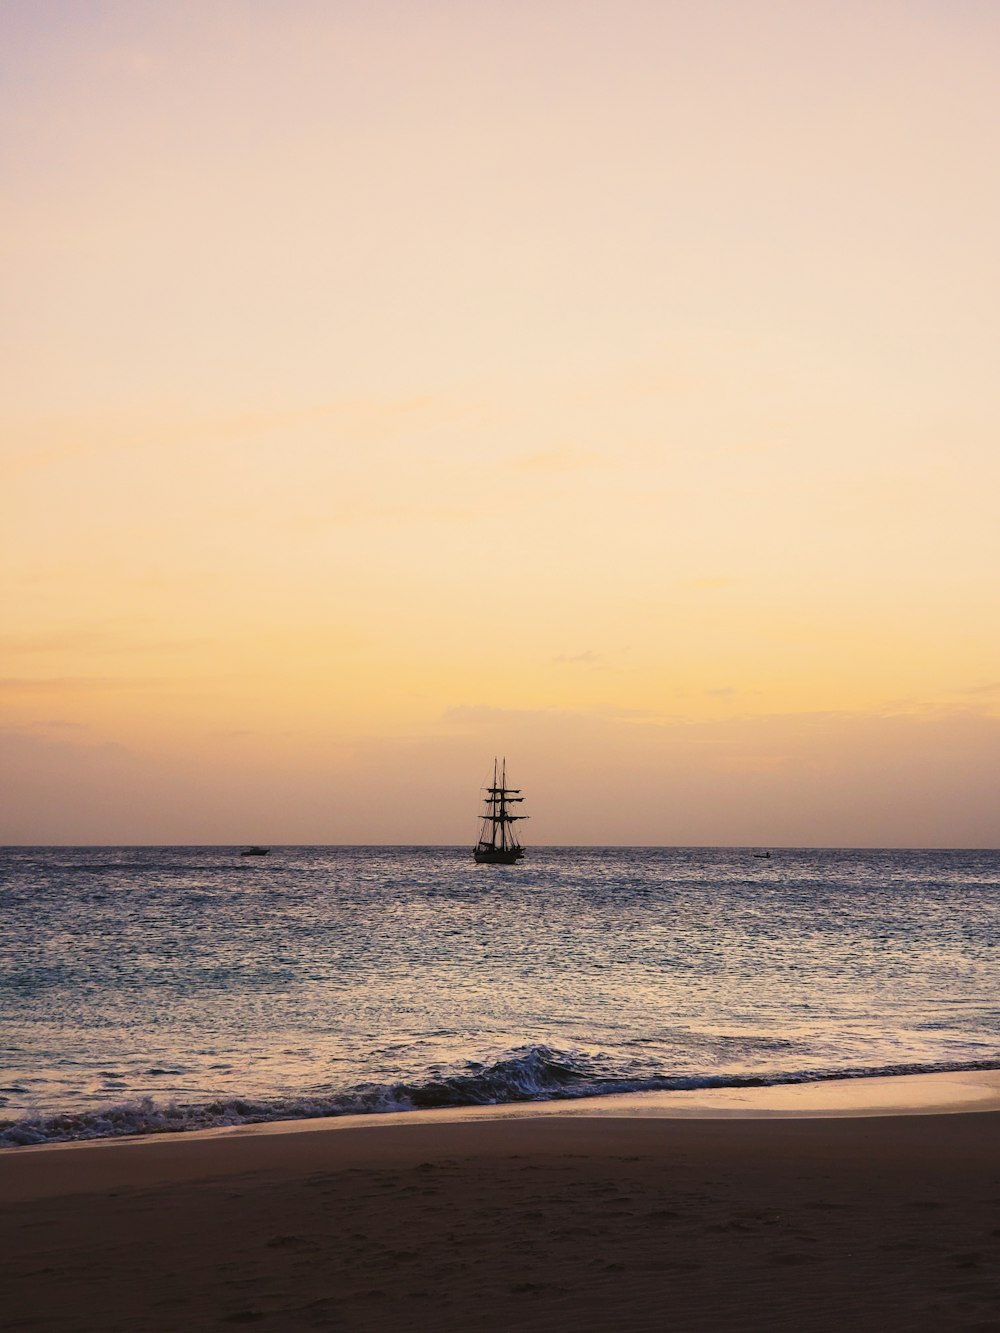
498, 843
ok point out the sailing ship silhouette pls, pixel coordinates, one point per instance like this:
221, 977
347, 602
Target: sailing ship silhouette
498, 844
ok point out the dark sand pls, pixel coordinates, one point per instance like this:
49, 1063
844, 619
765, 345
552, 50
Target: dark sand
554, 1222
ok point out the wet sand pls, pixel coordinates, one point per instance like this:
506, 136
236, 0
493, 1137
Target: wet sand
818, 1207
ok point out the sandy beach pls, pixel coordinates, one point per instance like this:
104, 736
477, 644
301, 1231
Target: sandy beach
869, 1204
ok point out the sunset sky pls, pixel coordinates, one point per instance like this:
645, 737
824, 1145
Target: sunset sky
606, 383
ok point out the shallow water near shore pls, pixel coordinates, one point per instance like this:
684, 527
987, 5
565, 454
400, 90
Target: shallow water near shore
145, 989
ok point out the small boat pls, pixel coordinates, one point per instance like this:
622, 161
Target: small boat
762, 856
498, 844
256, 851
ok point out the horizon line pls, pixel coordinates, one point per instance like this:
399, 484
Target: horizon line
555, 846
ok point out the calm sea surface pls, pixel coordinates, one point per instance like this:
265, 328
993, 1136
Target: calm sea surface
149, 988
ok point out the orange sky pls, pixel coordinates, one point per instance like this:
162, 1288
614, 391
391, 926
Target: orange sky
609, 385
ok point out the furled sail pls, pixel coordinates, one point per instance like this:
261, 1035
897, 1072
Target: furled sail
498, 843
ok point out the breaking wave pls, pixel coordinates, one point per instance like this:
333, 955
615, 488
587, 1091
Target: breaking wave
534, 1073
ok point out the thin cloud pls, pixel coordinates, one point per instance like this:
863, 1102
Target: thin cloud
631, 714
74, 684
21, 740
580, 659
474, 714
93, 640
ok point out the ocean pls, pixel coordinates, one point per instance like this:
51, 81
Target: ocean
145, 989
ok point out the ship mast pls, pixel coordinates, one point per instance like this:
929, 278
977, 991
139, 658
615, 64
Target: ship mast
503, 804
499, 797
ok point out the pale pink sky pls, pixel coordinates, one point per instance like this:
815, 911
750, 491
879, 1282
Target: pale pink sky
607, 384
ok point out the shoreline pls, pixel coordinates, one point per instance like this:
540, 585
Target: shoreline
44, 1170
796, 1207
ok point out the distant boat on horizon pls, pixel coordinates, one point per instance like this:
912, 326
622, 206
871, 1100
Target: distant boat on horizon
256, 851
762, 856
498, 844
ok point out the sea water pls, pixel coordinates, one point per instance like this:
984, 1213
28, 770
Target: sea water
153, 988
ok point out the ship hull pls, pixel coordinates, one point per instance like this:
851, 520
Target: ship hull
496, 856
